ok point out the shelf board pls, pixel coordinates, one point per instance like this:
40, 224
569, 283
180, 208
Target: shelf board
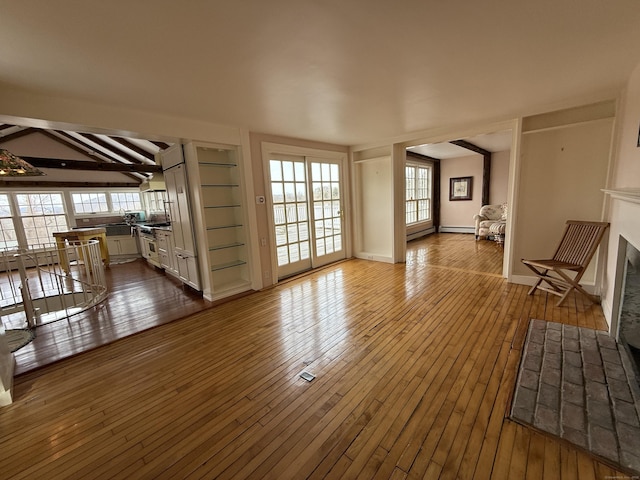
217, 164
224, 226
228, 245
222, 266
222, 206
220, 185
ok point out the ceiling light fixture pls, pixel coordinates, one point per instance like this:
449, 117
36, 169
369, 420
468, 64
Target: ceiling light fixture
12, 166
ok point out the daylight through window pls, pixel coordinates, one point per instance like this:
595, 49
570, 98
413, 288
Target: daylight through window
418, 193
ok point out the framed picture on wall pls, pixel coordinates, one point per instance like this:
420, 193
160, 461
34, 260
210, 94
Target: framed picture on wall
460, 188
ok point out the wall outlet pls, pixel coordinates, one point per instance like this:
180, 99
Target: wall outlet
263, 242
266, 274
260, 200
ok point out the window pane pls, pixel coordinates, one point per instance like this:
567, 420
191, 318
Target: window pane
43, 214
277, 192
126, 201
287, 171
299, 171
276, 171
93, 202
278, 214
8, 239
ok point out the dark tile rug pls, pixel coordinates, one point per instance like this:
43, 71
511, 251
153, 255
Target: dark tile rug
577, 384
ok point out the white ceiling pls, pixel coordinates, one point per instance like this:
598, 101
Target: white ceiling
492, 142
346, 72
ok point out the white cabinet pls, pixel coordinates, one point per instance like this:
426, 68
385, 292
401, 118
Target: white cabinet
166, 254
184, 259
122, 245
223, 211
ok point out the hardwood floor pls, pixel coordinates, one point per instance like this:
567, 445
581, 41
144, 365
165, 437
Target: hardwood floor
140, 297
414, 366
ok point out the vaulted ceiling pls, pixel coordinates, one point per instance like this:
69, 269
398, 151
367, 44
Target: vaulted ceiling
132, 156
345, 72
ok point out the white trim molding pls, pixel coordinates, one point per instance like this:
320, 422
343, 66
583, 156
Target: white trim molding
628, 194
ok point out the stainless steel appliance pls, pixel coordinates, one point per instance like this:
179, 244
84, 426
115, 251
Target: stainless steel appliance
148, 244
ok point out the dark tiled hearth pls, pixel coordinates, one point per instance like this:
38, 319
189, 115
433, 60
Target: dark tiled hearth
578, 384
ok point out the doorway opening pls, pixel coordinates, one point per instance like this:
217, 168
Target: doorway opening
483, 161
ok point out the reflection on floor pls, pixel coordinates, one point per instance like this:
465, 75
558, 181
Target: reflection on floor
140, 297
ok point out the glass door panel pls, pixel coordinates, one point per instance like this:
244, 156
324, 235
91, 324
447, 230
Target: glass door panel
327, 211
290, 215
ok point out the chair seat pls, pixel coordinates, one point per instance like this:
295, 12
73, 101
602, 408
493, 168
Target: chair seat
552, 264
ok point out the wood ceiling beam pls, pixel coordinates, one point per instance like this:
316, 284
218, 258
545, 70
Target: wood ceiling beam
40, 162
18, 134
109, 149
85, 149
160, 145
131, 146
72, 143
423, 156
470, 146
486, 166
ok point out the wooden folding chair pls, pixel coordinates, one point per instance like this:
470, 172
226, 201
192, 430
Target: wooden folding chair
563, 272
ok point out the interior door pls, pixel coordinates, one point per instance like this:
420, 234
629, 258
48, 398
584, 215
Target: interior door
307, 212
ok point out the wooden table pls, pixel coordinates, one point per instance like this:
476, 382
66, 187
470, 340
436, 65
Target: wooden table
79, 235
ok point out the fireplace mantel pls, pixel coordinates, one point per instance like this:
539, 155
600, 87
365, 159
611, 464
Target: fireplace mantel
630, 194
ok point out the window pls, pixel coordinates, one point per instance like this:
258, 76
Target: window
8, 238
418, 193
155, 200
125, 201
94, 202
105, 202
41, 214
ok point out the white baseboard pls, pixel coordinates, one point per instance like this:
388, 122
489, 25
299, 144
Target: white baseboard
374, 257
449, 229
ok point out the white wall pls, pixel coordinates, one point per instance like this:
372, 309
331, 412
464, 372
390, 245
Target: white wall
562, 172
499, 185
624, 216
374, 209
458, 215
20, 107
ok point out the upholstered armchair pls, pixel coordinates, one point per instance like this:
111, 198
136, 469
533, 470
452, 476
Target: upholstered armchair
489, 215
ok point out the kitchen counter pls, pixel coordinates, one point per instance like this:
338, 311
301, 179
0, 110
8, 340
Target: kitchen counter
82, 234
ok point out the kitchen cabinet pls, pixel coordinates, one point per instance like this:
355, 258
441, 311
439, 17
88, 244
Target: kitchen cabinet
166, 251
183, 244
223, 211
122, 245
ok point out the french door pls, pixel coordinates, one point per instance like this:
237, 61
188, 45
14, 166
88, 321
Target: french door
307, 212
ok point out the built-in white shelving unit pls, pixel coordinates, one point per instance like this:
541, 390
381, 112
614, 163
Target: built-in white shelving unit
224, 214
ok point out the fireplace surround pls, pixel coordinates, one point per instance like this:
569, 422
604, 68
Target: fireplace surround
629, 316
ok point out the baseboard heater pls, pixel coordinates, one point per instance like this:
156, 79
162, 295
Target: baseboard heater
457, 230
421, 233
